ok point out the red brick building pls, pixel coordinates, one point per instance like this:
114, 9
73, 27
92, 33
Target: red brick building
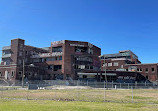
62, 60
150, 71
68, 60
128, 61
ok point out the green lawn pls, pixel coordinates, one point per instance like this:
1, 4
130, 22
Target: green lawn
46, 105
119, 100
97, 95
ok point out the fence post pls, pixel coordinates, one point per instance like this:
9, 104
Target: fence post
120, 85
28, 92
128, 85
77, 82
78, 95
2, 93
87, 82
132, 93
104, 91
135, 84
115, 87
112, 84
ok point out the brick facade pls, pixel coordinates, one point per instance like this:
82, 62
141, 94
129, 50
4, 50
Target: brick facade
65, 59
128, 61
62, 60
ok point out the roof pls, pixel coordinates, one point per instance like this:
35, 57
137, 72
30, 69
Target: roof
122, 53
78, 41
45, 48
144, 64
35, 47
116, 55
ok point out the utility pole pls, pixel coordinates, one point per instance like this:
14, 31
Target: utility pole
105, 74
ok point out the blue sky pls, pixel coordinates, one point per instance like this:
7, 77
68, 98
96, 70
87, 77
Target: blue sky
112, 25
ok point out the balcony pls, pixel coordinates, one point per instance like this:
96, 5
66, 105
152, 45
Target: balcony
6, 48
6, 55
43, 55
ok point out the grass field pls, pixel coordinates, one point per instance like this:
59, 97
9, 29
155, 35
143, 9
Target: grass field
97, 95
46, 105
76, 100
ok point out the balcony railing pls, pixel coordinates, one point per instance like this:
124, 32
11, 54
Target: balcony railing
6, 48
6, 55
42, 55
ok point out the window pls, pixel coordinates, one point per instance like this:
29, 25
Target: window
139, 69
104, 64
57, 67
109, 64
30, 74
19, 62
84, 76
57, 49
20, 53
36, 60
20, 72
122, 66
91, 67
146, 70
81, 49
83, 59
26, 59
26, 52
90, 51
60, 58
115, 63
153, 69
21, 46
12, 73
81, 66
76, 66
50, 67
0, 74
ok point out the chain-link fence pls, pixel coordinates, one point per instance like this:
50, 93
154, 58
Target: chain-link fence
81, 91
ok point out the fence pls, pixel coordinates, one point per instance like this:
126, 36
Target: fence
81, 91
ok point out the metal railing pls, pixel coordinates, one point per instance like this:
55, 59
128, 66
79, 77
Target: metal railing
6, 55
6, 48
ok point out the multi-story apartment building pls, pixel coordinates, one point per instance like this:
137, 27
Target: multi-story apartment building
62, 60
128, 61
